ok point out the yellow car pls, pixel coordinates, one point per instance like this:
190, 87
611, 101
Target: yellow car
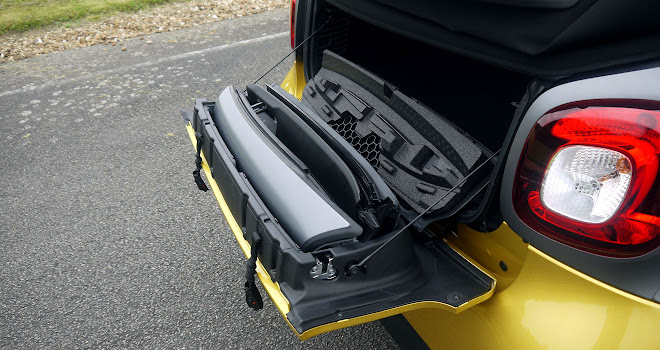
476, 174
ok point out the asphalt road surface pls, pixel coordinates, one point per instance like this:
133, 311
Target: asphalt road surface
105, 242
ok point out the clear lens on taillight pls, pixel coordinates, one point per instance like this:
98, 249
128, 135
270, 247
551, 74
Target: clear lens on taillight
586, 183
587, 178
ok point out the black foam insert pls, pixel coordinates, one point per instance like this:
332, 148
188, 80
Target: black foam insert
419, 154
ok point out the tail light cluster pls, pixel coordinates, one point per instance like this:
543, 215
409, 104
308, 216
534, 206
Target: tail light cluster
588, 177
292, 24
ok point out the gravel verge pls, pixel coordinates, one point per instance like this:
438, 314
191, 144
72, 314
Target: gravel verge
113, 30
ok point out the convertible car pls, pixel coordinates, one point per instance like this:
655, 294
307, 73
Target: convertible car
475, 174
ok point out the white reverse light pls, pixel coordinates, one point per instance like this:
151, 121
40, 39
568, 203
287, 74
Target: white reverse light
586, 183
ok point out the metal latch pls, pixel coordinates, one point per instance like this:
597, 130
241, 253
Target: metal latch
258, 107
323, 270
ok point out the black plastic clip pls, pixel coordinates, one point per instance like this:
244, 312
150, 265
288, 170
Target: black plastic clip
252, 295
198, 164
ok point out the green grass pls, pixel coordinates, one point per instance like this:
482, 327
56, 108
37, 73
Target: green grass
22, 15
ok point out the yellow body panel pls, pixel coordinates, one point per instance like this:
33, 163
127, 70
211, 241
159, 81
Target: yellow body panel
489, 249
539, 303
294, 81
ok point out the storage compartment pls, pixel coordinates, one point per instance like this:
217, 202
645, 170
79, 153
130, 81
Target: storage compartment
330, 234
479, 98
427, 161
321, 159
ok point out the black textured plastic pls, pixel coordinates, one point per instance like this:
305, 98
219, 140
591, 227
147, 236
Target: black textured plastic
419, 154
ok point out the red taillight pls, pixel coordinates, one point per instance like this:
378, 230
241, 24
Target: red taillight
292, 24
588, 178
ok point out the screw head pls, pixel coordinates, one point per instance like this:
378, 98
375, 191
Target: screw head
455, 297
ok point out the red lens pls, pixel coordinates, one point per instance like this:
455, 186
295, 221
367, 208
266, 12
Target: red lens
634, 134
292, 24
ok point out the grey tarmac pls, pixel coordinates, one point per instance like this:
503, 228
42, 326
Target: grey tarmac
105, 242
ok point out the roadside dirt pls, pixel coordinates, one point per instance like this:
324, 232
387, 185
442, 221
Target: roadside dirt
113, 30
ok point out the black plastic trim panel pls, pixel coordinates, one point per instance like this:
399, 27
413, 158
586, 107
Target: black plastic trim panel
554, 64
300, 16
403, 333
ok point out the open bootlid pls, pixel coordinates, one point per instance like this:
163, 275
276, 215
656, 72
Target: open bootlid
321, 191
